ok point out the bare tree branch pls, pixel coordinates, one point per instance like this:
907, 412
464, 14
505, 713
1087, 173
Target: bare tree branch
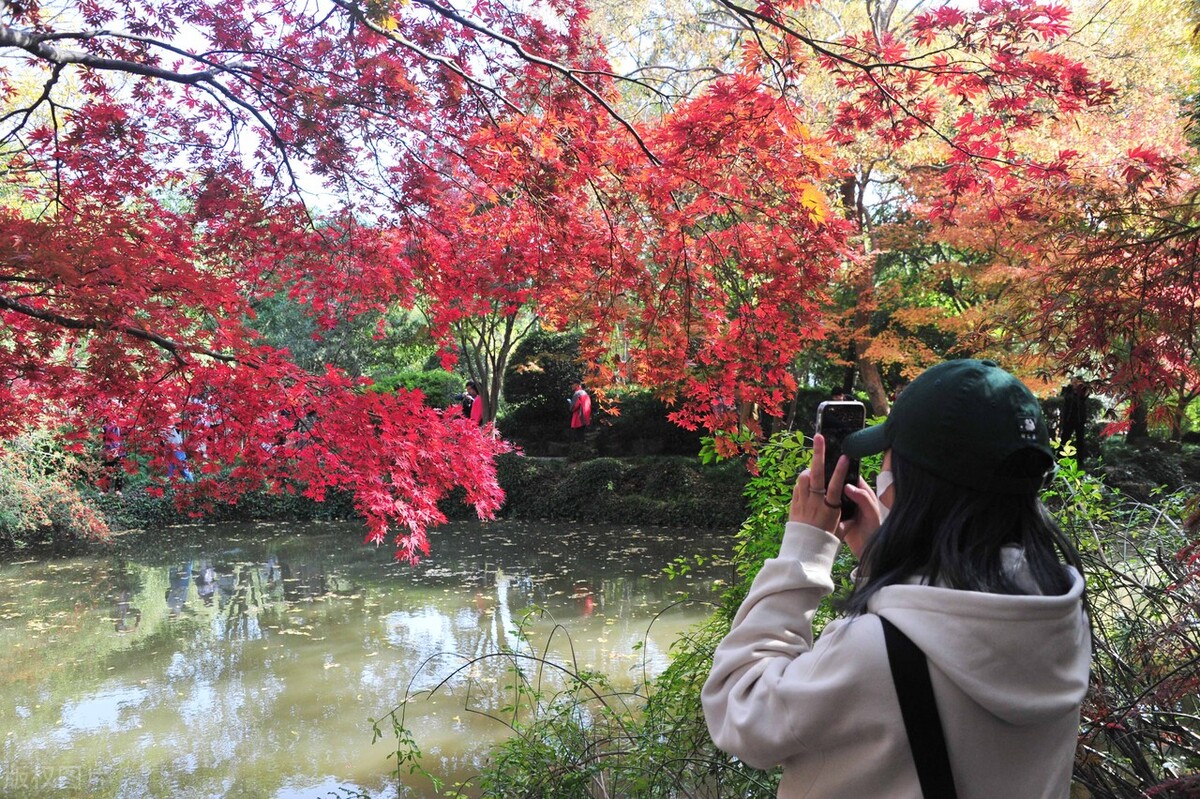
175, 348
568, 73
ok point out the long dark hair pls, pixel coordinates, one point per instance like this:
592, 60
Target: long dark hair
954, 536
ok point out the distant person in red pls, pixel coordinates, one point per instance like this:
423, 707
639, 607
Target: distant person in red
581, 410
477, 403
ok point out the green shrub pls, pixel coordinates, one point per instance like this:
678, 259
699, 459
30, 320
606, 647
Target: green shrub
139, 508
537, 387
641, 427
541, 370
581, 493
1138, 470
1140, 735
441, 388
576, 737
38, 500
679, 492
524, 481
284, 506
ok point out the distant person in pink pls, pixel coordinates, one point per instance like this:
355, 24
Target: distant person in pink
581, 410
477, 403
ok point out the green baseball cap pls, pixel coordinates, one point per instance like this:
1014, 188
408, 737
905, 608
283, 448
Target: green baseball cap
960, 421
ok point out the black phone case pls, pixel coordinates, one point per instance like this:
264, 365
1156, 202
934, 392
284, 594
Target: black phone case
835, 421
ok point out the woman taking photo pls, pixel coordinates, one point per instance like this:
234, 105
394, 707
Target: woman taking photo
958, 556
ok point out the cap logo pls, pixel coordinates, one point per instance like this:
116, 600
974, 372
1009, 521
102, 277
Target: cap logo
1028, 429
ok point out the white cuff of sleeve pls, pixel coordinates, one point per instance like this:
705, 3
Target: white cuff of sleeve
810, 545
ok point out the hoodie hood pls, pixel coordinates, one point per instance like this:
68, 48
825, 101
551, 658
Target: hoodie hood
1024, 658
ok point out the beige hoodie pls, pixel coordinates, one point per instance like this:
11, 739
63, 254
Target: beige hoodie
1009, 673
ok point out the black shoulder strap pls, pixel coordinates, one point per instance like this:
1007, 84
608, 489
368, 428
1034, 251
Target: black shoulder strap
910, 673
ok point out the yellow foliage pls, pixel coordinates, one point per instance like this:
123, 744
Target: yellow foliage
813, 199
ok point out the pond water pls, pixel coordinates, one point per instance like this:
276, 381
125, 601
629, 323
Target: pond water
247, 660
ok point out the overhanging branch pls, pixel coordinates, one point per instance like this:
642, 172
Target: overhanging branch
175, 348
40, 47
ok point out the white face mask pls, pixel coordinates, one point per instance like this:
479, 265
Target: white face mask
883, 481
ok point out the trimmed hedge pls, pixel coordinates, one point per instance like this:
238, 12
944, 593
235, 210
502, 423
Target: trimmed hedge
139, 509
665, 491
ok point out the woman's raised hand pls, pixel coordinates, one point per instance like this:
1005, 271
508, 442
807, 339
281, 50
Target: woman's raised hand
814, 504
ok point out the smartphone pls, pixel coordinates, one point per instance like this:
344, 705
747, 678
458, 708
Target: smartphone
835, 421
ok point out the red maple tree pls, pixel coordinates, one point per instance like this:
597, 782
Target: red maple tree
166, 165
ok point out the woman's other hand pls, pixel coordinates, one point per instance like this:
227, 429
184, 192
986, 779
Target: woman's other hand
812, 503
857, 532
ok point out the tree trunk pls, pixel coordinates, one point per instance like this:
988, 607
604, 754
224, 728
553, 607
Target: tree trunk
1139, 420
1183, 398
851, 371
485, 344
855, 210
873, 383
790, 417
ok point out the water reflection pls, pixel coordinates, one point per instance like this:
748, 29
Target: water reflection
245, 661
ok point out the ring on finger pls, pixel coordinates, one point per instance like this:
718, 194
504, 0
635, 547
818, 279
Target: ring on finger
828, 504
816, 491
